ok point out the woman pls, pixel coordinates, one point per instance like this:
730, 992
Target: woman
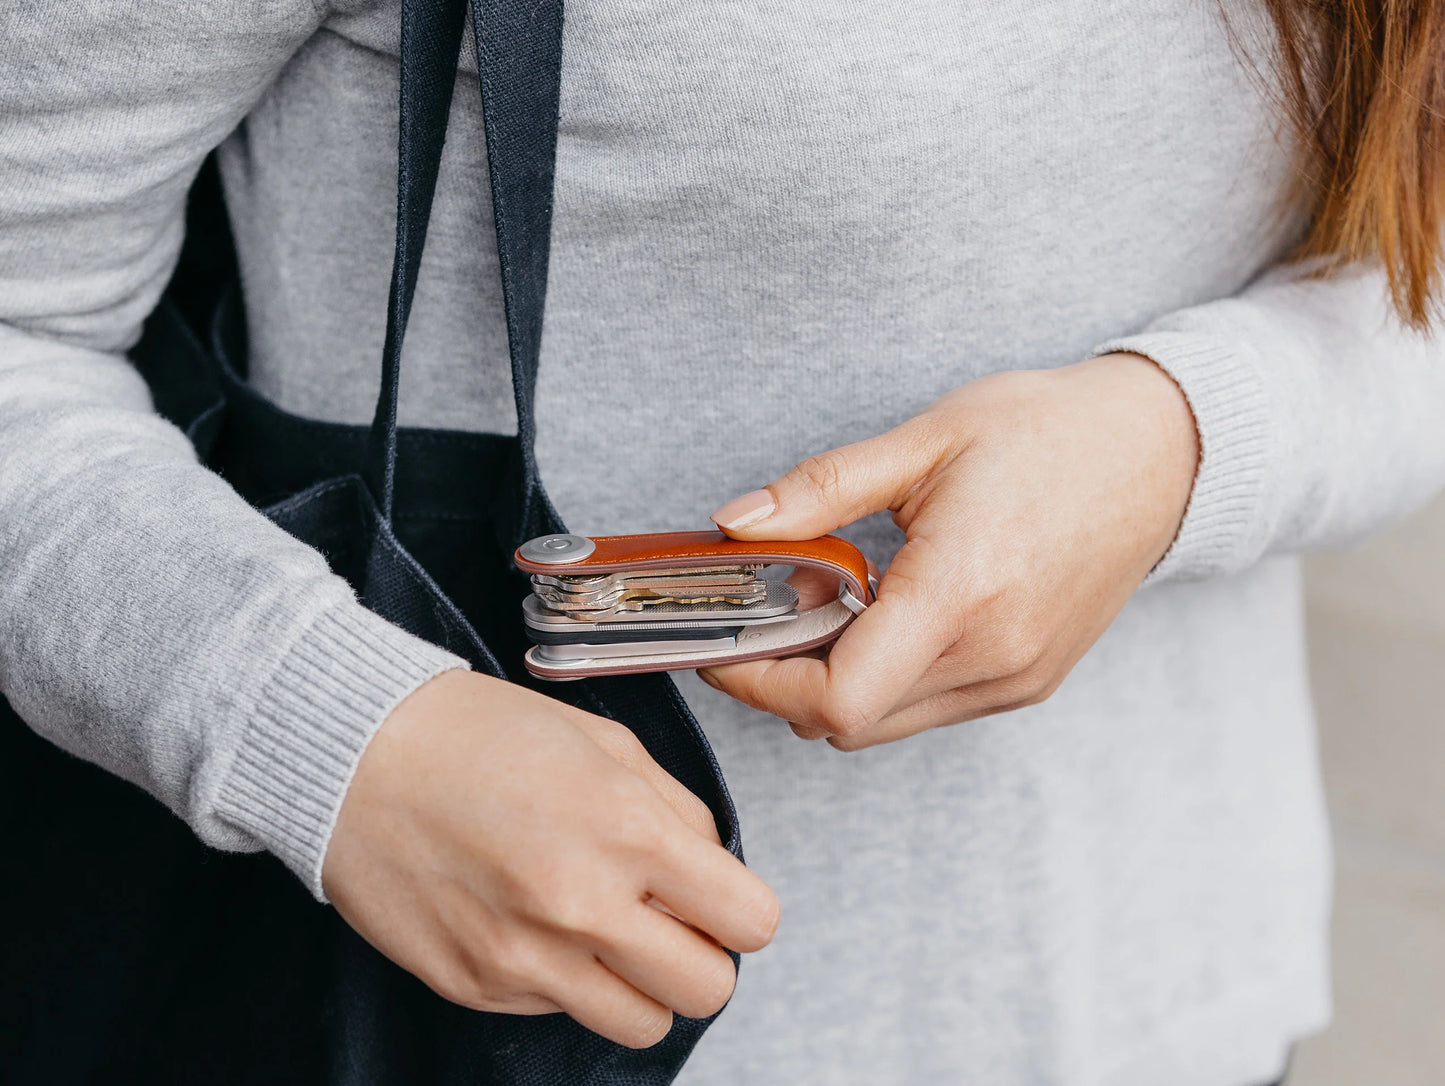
1023, 269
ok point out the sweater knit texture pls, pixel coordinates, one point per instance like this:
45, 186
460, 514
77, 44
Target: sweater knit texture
778, 229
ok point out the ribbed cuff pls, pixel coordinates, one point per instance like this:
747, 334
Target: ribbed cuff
1227, 395
310, 725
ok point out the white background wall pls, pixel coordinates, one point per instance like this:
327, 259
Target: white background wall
1377, 630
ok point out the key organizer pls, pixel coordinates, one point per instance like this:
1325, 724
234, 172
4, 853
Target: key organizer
623, 605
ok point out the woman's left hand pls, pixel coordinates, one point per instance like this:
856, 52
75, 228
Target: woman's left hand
1034, 504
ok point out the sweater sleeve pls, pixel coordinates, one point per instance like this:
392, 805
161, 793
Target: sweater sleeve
150, 620
1321, 416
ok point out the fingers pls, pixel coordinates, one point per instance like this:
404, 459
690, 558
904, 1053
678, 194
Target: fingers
941, 710
946, 694
605, 1003
987, 652
793, 688
1005, 673
670, 962
888, 648
709, 888
837, 487
871, 668
638, 975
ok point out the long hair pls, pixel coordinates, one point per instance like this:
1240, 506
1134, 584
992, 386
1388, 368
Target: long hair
1363, 88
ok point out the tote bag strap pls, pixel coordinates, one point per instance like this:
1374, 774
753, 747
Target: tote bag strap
519, 56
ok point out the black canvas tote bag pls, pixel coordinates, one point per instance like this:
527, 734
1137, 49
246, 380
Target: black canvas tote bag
132, 953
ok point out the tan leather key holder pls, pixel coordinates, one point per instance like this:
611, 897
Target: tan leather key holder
670, 601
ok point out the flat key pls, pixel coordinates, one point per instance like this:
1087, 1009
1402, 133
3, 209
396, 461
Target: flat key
731, 585
635, 601
780, 605
681, 578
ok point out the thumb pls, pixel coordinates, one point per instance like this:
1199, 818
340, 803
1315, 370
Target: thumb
832, 489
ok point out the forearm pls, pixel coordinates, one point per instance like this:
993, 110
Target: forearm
153, 623
150, 620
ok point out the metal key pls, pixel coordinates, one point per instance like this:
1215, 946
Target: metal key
734, 586
780, 604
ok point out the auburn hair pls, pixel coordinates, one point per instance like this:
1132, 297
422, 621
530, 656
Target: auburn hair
1363, 88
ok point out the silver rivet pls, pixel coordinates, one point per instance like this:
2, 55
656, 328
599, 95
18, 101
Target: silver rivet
557, 550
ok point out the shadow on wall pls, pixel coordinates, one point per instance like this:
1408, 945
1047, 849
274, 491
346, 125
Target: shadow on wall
1377, 641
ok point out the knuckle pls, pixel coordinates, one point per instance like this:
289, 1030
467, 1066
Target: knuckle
481, 984
459, 987
495, 960
932, 433
714, 987
1027, 687
824, 474
990, 590
698, 817
620, 742
1042, 689
628, 743
926, 570
532, 893
573, 916
643, 831
636, 820
558, 900
623, 798
1018, 651
848, 744
510, 964
843, 716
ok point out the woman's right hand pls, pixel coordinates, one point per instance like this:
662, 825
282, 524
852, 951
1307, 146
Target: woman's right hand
523, 856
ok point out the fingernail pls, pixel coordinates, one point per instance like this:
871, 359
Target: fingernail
745, 511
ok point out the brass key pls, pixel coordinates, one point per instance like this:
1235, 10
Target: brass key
737, 586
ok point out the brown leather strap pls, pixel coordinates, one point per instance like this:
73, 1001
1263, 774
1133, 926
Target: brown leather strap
680, 550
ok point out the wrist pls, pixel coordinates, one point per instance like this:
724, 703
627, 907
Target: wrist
1224, 384
312, 721
1153, 416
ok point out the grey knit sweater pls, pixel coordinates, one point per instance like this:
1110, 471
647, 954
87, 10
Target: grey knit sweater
840, 209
